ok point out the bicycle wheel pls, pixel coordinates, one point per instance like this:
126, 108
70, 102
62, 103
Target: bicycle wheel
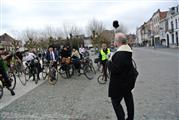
71, 70
1, 89
63, 72
98, 66
101, 79
66, 71
91, 64
27, 74
23, 81
36, 74
53, 76
12, 78
88, 72
45, 73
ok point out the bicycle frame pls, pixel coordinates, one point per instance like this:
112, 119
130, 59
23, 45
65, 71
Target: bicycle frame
52, 76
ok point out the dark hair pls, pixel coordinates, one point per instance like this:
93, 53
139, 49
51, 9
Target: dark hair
50, 46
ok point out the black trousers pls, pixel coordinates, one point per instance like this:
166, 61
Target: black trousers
33, 66
5, 76
104, 64
116, 102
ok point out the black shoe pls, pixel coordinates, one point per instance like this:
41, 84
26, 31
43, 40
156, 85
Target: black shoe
12, 93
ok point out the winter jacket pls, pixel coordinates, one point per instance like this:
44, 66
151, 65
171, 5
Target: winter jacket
120, 67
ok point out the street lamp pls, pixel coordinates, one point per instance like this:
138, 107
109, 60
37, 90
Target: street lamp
115, 25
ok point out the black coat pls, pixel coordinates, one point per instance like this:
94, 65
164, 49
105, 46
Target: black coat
48, 58
120, 79
65, 53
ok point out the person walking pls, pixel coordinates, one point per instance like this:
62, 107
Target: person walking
120, 84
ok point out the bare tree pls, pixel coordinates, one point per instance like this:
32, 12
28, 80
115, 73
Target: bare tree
31, 38
74, 30
49, 31
58, 33
71, 29
72, 33
96, 28
95, 25
19, 36
66, 30
31, 34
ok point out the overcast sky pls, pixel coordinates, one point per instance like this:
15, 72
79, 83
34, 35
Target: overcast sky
18, 15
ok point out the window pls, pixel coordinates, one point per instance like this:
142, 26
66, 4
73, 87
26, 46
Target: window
172, 25
177, 38
176, 23
166, 25
172, 38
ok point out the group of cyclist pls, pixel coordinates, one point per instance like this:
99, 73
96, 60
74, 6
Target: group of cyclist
63, 56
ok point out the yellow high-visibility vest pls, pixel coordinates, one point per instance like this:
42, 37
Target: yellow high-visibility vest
104, 55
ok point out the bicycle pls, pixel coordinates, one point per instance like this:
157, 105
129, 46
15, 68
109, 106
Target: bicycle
51, 72
103, 78
12, 78
86, 67
98, 63
17, 68
31, 70
66, 68
91, 64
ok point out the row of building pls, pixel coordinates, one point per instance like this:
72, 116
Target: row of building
10, 43
162, 29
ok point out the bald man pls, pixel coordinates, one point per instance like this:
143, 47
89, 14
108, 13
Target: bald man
120, 85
